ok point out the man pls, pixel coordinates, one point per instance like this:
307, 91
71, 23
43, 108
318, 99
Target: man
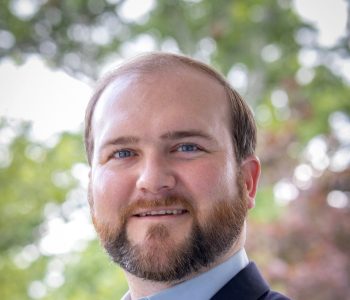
173, 173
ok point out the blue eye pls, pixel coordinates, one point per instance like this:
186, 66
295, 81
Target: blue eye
124, 153
187, 148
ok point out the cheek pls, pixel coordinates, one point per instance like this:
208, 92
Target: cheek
210, 183
110, 193
214, 178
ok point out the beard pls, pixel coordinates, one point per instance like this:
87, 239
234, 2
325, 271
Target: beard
161, 259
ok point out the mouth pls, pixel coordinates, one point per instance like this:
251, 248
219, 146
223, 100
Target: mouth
161, 213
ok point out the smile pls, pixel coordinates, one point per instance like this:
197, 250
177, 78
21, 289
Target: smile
164, 212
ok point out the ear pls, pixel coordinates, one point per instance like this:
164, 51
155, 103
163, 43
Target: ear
90, 199
251, 169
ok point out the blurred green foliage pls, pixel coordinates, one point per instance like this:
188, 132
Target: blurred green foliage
302, 247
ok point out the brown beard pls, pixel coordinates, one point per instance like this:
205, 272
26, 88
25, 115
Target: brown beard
159, 258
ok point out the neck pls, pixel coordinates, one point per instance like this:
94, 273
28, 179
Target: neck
140, 287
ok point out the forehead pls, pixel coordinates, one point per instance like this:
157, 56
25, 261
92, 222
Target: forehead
172, 95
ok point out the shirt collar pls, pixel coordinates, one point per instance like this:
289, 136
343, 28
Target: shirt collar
205, 285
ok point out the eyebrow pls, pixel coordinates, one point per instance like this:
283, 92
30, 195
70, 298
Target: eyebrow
176, 135
171, 135
123, 140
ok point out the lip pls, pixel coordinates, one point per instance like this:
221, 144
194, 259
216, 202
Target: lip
160, 212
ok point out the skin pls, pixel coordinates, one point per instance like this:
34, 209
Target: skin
167, 133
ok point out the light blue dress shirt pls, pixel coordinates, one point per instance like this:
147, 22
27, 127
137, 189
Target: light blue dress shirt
203, 286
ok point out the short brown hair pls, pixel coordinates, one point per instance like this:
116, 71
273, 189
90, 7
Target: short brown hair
243, 128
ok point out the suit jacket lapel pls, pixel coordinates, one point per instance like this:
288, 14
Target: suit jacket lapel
248, 284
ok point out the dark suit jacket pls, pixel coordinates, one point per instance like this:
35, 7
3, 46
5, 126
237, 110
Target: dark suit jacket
248, 284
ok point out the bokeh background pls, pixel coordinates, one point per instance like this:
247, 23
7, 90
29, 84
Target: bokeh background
288, 58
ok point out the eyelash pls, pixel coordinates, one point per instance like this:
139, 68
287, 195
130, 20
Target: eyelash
131, 153
127, 153
196, 147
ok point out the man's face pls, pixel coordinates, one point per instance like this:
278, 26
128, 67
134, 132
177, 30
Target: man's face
165, 194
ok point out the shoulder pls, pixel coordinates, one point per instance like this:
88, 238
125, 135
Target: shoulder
248, 284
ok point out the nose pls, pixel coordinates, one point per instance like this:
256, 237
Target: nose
155, 176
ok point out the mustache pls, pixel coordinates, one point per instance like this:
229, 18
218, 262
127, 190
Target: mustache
108, 232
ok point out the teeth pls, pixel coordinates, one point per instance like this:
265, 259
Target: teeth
162, 212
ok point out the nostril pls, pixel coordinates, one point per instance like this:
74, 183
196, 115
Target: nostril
155, 182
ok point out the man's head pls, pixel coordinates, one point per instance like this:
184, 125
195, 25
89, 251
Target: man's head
173, 171
242, 124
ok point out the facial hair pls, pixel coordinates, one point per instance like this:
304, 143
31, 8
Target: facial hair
160, 258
